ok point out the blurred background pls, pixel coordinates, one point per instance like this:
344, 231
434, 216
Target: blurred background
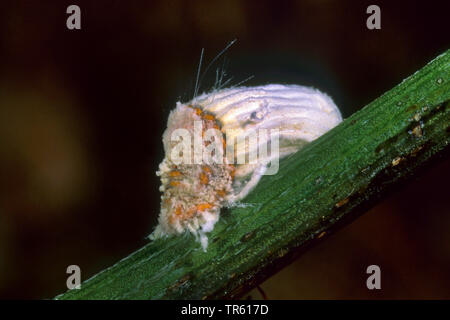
82, 113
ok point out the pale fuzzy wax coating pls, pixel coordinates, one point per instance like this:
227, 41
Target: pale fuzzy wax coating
193, 194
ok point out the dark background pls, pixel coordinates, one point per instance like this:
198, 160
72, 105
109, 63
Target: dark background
82, 113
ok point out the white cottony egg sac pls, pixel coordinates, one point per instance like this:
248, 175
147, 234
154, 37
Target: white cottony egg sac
219, 145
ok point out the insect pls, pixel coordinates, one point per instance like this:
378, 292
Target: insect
207, 136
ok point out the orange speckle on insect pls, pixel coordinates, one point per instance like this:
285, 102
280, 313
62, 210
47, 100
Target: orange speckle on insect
203, 206
198, 208
221, 193
174, 173
203, 178
209, 117
207, 169
232, 170
178, 211
174, 183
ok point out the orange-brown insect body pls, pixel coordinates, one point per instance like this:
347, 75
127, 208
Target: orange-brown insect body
192, 193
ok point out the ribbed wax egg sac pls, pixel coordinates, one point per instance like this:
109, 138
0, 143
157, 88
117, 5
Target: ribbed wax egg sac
301, 114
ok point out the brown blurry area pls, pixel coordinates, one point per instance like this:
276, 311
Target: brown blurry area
82, 114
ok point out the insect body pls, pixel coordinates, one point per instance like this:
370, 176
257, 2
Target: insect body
216, 148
